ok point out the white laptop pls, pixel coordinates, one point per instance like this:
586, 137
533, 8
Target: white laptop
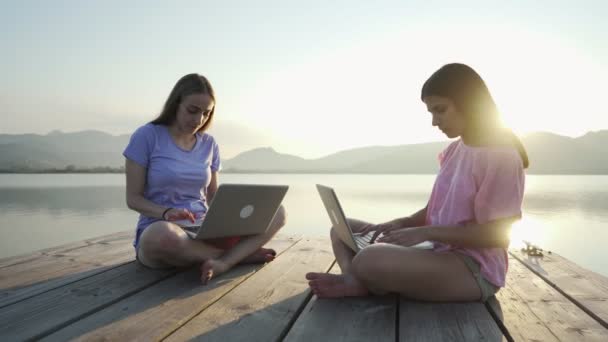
355, 241
238, 209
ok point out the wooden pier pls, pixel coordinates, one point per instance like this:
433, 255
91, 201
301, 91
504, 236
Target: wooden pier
94, 290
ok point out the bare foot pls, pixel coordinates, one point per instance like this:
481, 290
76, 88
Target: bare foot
212, 268
326, 285
262, 255
314, 275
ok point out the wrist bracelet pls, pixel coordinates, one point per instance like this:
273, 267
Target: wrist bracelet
164, 212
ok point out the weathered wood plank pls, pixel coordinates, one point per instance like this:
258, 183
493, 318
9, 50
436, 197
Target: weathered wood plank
62, 266
40, 315
158, 310
19, 274
522, 324
535, 311
79, 291
494, 308
24, 258
424, 321
585, 288
263, 307
360, 319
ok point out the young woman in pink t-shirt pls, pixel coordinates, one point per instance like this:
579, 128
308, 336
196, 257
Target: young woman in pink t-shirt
477, 195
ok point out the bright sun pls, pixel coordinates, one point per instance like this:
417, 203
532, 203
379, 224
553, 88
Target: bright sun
528, 229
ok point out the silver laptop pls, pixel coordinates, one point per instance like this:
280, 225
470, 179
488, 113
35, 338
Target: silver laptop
239, 209
355, 241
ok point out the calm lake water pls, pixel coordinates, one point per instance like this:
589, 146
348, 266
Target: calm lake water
564, 214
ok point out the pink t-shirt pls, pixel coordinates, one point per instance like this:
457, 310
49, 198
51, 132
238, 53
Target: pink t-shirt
477, 184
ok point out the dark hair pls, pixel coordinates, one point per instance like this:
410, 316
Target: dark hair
461, 84
187, 85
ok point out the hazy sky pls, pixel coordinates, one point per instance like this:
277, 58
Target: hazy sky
306, 77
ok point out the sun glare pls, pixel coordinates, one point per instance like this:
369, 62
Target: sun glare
367, 93
528, 229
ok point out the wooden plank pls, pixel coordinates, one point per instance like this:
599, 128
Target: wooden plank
62, 266
10, 275
40, 315
20, 259
533, 310
160, 309
23, 258
585, 288
517, 318
425, 321
361, 319
263, 307
494, 308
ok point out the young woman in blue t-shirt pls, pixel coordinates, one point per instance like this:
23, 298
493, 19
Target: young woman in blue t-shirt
172, 170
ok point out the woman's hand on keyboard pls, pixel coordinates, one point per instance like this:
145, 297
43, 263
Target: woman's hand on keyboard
381, 228
176, 214
406, 237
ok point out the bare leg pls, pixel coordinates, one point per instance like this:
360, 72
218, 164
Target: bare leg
344, 255
346, 284
244, 249
415, 273
381, 268
262, 255
164, 244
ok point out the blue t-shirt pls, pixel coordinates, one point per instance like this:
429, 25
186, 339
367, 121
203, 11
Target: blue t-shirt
175, 177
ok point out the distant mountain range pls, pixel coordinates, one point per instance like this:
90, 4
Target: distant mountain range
85, 149
549, 154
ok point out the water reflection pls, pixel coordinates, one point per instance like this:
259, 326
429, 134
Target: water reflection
59, 201
593, 204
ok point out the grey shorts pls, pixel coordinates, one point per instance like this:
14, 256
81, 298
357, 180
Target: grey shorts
487, 289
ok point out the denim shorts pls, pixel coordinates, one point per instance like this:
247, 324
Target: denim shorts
487, 289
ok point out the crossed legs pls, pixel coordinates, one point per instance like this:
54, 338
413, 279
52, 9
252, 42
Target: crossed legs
164, 244
381, 268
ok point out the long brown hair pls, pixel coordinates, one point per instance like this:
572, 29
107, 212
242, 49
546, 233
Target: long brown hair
463, 85
187, 85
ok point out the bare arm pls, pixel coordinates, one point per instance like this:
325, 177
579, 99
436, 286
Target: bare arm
473, 235
212, 188
136, 182
415, 220
491, 234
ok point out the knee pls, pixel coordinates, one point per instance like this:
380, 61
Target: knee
170, 242
334, 235
280, 218
162, 239
367, 263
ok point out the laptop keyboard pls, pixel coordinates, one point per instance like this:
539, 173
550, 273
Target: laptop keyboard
191, 229
363, 241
